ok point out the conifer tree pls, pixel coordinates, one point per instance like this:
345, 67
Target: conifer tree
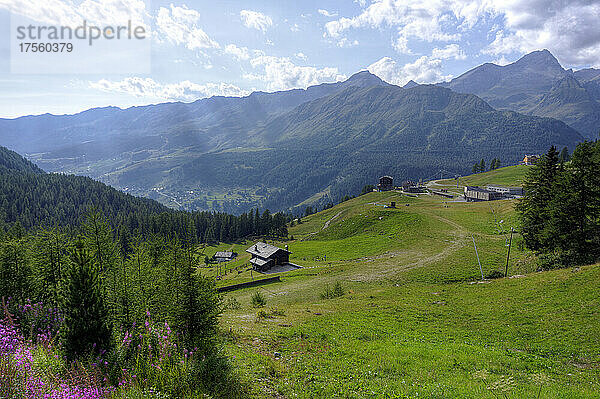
49, 255
574, 228
534, 208
85, 329
564, 155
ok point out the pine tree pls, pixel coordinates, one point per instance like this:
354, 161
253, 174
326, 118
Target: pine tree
534, 207
49, 255
85, 327
564, 155
495, 164
14, 270
574, 228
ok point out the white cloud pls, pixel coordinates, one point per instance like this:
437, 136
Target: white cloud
327, 13
241, 53
502, 61
283, 74
450, 51
96, 12
179, 26
411, 18
148, 88
295, 28
345, 42
256, 20
301, 56
569, 29
424, 70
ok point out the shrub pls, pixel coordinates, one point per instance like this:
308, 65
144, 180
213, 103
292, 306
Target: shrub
494, 274
232, 303
558, 260
262, 314
335, 292
277, 312
258, 300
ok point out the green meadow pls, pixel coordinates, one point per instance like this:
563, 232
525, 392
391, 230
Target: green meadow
415, 319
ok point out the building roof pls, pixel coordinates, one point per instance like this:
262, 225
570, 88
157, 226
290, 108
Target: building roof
477, 188
264, 250
259, 261
224, 254
492, 187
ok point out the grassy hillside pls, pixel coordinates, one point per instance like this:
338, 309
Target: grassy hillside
413, 321
512, 176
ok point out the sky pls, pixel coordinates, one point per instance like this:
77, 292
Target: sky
197, 49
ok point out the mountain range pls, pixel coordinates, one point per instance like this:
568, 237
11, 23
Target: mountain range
538, 85
299, 147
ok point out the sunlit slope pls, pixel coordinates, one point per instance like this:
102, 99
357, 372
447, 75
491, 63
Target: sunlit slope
414, 321
511, 176
423, 238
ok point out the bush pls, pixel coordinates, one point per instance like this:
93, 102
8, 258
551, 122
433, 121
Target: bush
330, 293
258, 300
558, 260
494, 274
262, 314
231, 303
277, 312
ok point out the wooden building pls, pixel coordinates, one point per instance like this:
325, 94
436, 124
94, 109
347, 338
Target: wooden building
224, 256
265, 256
474, 193
386, 183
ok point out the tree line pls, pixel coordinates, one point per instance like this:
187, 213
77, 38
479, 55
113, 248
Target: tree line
479, 167
51, 200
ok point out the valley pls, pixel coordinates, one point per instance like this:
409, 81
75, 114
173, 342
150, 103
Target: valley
291, 149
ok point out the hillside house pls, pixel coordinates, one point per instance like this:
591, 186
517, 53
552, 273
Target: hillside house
474, 193
386, 183
266, 256
225, 256
530, 159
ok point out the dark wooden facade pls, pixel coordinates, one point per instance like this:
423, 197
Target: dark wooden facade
265, 256
386, 183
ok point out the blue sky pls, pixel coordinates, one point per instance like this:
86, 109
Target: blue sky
205, 48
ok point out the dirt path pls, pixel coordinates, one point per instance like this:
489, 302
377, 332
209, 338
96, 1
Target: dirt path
458, 239
326, 225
